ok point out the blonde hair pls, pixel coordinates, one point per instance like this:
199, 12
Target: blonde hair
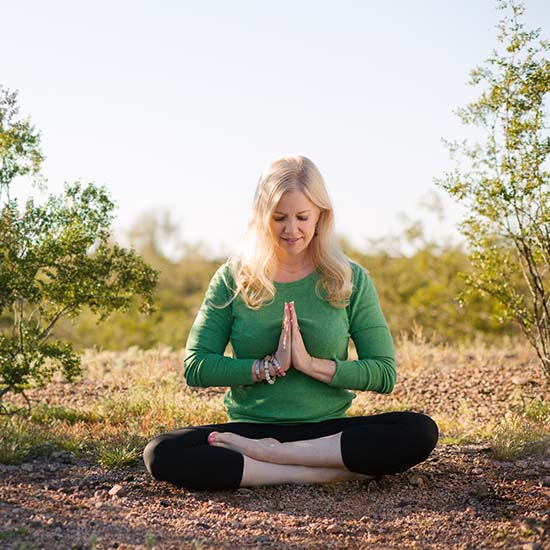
253, 267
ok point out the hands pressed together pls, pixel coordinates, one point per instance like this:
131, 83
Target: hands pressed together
291, 348
292, 351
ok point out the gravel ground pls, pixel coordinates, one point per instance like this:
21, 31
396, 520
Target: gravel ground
461, 497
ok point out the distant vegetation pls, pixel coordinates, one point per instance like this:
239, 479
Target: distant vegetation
418, 289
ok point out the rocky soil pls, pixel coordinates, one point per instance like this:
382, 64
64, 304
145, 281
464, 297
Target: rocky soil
462, 497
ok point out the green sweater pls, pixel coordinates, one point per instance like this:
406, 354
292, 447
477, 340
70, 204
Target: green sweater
325, 330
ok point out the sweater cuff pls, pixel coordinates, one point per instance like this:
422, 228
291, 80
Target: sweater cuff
241, 373
348, 376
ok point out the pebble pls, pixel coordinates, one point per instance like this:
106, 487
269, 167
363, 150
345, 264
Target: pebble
117, 491
334, 529
477, 471
531, 546
482, 491
417, 481
520, 380
251, 521
27, 467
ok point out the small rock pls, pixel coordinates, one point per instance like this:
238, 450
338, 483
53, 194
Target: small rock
417, 481
62, 456
251, 521
523, 464
477, 471
117, 491
482, 491
334, 529
520, 380
531, 546
27, 467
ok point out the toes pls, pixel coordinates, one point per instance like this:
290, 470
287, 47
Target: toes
212, 437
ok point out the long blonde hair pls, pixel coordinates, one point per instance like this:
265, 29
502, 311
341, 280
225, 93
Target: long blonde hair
253, 267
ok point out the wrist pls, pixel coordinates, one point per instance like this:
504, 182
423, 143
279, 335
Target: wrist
321, 369
257, 371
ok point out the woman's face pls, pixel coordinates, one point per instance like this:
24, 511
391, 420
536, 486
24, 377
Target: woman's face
293, 224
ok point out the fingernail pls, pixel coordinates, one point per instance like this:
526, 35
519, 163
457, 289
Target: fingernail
211, 438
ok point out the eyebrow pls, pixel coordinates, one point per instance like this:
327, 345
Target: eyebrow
301, 212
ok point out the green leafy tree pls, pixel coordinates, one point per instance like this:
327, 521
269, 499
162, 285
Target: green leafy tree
504, 182
56, 258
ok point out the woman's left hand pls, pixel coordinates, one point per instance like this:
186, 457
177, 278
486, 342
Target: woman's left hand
301, 359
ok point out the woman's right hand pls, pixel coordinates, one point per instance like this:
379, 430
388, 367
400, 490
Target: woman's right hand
284, 352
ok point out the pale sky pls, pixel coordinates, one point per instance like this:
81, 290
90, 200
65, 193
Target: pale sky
179, 105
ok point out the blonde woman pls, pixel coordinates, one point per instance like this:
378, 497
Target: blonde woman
288, 304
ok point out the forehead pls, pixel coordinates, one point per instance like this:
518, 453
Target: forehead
294, 201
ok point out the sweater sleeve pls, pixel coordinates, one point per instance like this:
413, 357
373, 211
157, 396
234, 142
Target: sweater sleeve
205, 363
374, 369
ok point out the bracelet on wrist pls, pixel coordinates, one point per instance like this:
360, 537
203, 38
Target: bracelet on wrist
268, 378
257, 370
273, 360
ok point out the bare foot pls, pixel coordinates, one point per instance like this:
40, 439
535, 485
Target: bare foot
266, 450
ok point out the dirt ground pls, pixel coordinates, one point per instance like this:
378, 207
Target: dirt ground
462, 497
459, 498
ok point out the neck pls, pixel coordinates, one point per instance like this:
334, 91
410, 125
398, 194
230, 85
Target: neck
294, 266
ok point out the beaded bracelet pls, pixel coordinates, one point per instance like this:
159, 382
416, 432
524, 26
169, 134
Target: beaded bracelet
273, 360
268, 378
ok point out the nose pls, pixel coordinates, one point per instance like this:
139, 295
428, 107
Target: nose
291, 227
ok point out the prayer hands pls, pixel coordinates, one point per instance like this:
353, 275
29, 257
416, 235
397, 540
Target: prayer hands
283, 353
301, 359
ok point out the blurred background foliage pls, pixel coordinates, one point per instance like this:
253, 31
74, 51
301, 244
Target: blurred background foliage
416, 273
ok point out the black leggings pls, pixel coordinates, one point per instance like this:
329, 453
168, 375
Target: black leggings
374, 445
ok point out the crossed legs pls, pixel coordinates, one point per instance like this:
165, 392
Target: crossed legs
268, 461
226, 456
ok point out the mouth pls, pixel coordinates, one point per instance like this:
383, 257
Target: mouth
291, 241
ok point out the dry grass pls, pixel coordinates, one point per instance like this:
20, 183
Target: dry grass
125, 399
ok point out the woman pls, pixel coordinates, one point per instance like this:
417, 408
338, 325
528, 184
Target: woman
288, 304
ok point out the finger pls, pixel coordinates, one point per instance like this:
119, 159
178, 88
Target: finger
294, 316
286, 325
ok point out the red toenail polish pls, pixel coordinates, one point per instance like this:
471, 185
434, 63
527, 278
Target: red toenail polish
210, 438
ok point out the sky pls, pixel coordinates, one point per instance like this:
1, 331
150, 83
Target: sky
176, 106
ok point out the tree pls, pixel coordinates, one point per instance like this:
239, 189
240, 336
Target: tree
55, 259
504, 180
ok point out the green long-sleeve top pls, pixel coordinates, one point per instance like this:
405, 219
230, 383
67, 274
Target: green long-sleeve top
255, 333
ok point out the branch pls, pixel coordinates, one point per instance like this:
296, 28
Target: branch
46, 332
